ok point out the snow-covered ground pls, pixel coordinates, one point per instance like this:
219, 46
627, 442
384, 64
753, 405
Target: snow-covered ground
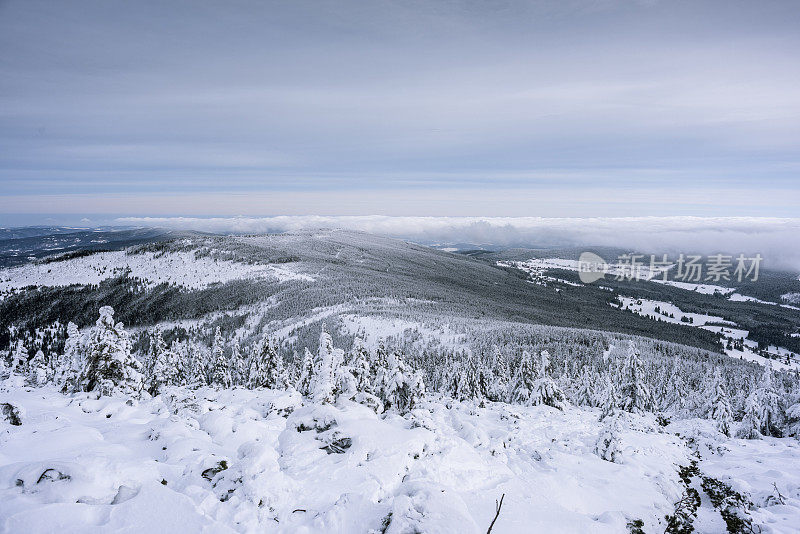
647, 308
262, 461
180, 268
737, 297
749, 348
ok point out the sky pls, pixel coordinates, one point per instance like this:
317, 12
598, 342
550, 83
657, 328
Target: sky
562, 108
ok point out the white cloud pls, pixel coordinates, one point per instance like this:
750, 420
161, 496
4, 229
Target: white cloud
776, 239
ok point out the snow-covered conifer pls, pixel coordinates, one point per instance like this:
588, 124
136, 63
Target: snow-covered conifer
398, 386
110, 368
266, 369
305, 374
220, 365
545, 391
608, 446
720, 410
524, 379
19, 358
360, 364
635, 395
37, 369
239, 368
323, 381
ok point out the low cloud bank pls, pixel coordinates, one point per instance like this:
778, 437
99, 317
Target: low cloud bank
776, 239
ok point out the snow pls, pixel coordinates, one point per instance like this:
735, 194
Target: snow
749, 350
647, 308
753, 467
179, 268
737, 297
705, 289
376, 329
438, 469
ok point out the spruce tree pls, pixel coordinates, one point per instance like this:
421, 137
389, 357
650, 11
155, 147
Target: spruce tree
69, 374
329, 359
398, 386
239, 367
635, 395
110, 368
37, 369
305, 374
545, 391
720, 411
19, 358
220, 370
360, 363
524, 379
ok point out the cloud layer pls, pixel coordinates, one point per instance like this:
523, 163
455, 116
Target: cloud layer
776, 239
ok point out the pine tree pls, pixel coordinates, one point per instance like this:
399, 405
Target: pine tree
166, 367
328, 360
635, 395
498, 388
110, 367
608, 446
37, 370
772, 417
306, 373
19, 358
721, 411
524, 379
750, 427
398, 386
586, 396
545, 391
675, 397
609, 400
239, 367
220, 370
68, 376
266, 368
360, 363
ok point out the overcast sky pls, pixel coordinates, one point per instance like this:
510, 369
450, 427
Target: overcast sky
503, 108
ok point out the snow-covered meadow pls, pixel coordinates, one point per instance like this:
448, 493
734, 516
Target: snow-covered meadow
237, 460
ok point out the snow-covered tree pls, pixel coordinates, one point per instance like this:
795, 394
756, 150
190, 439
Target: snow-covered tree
220, 365
470, 379
68, 373
360, 363
323, 381
675, 395
545, 391
37, 369
772, 416
720, 409
750, 427
586, 394
635, 395
266, 369
166, 366
608, 446
608, 399
110, 368
524, 379
305, 374
498, 387
19, 358
240, 372
398, 386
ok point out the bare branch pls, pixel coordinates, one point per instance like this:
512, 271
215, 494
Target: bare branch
498, 505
